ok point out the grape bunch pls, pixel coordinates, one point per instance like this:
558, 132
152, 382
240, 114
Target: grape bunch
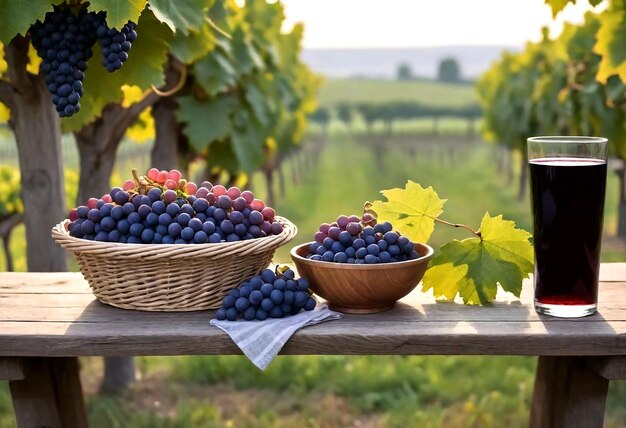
267, 295
64, 42
115, 44
360, 241
164, 208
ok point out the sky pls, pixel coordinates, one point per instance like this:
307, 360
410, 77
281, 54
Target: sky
416, 23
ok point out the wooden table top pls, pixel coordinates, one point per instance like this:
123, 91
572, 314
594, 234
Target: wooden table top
55, 314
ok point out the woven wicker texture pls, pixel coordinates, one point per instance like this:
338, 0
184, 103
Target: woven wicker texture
169, 277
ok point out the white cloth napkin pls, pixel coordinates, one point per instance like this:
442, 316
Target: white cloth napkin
261, 341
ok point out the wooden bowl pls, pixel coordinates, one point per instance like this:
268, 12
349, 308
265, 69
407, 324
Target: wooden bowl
362, 289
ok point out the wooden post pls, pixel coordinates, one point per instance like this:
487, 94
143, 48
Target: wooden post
50, 395
567, 394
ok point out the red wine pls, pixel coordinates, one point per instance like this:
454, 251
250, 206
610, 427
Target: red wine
568, 206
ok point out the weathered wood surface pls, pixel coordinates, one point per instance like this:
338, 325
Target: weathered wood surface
54, 314
567, 394
12, 368
50, 395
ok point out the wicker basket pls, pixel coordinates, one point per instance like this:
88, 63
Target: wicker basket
169, 277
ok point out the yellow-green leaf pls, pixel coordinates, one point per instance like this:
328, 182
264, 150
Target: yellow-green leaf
558, 5
119, 12
473, 268
181, 15
611, 45
411, 210
193, 45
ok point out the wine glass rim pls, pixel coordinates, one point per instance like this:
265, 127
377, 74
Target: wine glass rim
567, 139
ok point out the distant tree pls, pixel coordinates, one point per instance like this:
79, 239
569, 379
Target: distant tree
449, 71
404, 72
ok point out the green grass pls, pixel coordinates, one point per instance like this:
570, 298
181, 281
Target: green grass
367, 90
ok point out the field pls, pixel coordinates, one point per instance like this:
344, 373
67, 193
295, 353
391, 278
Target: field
340, 391
422, 91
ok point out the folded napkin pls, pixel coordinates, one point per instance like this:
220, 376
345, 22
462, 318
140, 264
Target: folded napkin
261, 341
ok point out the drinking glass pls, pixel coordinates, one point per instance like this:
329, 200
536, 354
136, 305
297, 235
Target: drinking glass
568, 181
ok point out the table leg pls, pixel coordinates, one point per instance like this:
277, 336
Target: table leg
50, 395
567, 394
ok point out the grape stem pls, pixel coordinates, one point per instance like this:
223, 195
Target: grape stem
475, 232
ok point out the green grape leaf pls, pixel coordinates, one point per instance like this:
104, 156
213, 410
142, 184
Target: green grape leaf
248, 146
18, 15
558, 5
257, 101
205, 121
474, 267
611, 45
246, 55
411, 210
143, 68
214, 73
194, 45
119, 12
182, 15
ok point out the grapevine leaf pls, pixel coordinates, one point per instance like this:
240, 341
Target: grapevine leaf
246, 55
119, 12
411, 210
474, 267
611, 45
558, 5
257, 102
18, 15
143, 69
248, 146
214, 73
205, 121
183, 15
194, 45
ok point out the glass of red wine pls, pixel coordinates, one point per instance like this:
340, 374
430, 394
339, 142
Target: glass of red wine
568, 181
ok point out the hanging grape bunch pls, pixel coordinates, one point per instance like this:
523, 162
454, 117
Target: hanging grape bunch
64, 42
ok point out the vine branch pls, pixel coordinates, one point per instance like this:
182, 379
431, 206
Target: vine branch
463, 226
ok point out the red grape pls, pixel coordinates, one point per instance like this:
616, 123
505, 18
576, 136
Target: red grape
170, 184
211, 198
206, 184
107, 198
91, 203
219, 190
342, 221
248, 196
162, 176
320, 236
175, 175
233, 192
191, 188
128, 184
268, 213
257, 205
202, 192
169, 196
153, 173
73, 215
324, 227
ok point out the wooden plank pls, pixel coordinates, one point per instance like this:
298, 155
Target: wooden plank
612, 272
12, 368
567, 394
336, 337
416, 306
611, 368
34, 399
